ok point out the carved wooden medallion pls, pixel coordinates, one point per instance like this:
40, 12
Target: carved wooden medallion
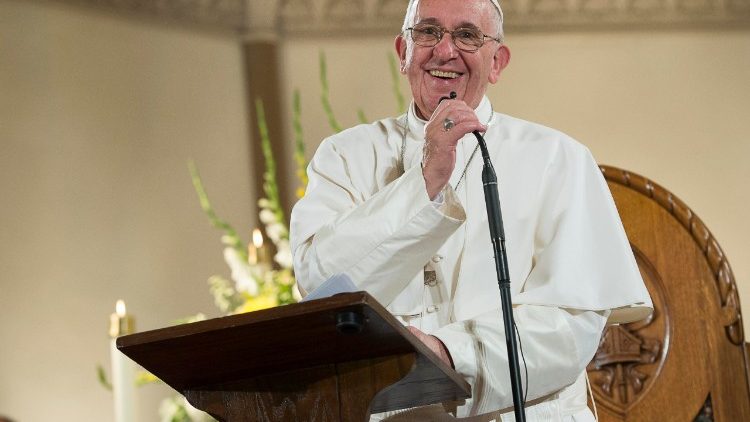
630, 356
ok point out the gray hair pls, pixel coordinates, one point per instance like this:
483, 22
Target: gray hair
411, 12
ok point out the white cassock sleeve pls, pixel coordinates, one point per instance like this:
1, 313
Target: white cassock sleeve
557, 345
381, 242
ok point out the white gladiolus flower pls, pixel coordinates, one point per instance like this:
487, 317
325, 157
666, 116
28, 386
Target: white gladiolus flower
283, 245
168, 408
274, 232
171, 406
284, 255
267, 216
241, 272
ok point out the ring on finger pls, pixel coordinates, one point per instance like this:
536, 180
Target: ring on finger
448, 124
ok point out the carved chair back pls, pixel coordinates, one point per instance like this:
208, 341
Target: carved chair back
688, 361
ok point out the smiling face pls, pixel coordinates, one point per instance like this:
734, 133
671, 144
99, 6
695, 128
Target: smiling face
434, 72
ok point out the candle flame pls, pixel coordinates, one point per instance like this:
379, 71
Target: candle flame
257, 238
120, 308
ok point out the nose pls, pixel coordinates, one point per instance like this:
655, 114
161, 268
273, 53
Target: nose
445, 48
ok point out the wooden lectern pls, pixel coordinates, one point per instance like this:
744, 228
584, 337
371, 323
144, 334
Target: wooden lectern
334, 359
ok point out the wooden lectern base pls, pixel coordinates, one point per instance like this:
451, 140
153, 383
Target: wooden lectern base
328, 393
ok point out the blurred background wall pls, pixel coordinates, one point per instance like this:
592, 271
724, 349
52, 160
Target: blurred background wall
98, 117
100, 112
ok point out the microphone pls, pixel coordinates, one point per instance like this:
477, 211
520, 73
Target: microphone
492, 199
480, 139
452, 96
497, 236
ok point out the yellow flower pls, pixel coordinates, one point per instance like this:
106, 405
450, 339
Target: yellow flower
145, 377
263, 301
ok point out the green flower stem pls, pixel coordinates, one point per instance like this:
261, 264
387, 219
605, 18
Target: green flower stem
299, 144
362, 117
270, 187
324, 94
101, 375
231, 238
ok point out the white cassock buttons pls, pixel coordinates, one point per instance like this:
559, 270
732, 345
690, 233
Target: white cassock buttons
437, 258
432, 308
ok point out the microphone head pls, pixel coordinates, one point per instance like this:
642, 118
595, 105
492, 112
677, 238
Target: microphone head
451, 96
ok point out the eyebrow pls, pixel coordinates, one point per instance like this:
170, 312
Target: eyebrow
434, 21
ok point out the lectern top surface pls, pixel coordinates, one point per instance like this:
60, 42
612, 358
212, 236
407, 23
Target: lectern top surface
284, 338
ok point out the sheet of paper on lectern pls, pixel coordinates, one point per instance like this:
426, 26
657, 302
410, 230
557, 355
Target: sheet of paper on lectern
337, 283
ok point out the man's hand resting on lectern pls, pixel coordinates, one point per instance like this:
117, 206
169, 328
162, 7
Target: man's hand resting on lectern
434, 344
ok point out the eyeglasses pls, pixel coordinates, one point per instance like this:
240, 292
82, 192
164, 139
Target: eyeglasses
465, 39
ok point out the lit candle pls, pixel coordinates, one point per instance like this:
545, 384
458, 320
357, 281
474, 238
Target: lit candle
123, 369
262, 256
252, 250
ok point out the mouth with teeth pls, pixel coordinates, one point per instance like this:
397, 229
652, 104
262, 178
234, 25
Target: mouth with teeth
444, 74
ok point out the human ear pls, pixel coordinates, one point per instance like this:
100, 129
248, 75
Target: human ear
400, 44
499, 61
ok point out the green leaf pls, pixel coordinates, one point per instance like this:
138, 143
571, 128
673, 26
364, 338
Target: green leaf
101, 376
180, 415
189, 319
299, 144
324, 94
230, 235
361, 116
270, 186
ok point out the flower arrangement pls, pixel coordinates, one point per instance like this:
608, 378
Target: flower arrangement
257, 286
255, 283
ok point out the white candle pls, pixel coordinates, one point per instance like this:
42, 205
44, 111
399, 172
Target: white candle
123, 369
258, 245
261, 251
252, 248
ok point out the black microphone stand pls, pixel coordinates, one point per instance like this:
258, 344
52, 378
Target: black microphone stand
497, 236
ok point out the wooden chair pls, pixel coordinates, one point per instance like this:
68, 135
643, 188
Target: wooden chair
688, 361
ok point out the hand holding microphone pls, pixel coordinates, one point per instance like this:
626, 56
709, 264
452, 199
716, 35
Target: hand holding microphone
451, 120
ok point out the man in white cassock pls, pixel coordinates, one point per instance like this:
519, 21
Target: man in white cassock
398, 206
